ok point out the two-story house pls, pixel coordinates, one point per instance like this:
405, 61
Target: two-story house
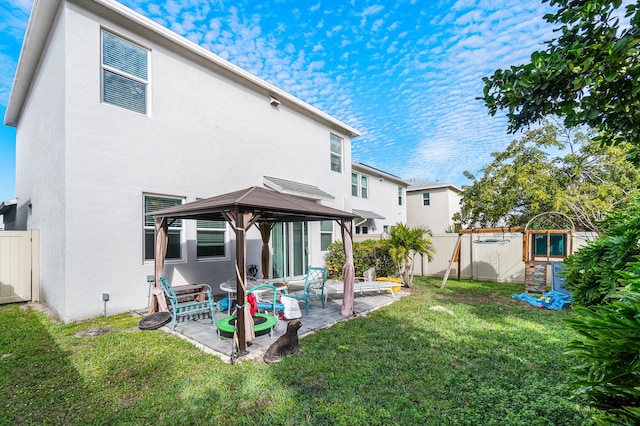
378, 198
432, 205
116, 116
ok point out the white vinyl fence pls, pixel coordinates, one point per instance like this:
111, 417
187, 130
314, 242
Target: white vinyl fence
19, 266
496, 261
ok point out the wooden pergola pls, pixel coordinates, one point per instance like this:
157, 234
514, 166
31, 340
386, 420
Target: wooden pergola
243, 209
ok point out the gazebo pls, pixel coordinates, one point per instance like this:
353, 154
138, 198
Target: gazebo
243, 209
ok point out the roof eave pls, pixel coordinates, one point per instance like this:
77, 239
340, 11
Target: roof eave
41, 20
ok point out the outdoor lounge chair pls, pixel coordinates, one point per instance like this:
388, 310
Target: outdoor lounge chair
313, 287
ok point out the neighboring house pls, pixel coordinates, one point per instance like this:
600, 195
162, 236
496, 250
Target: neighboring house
7, 214
117, 116
379, 198
432, 205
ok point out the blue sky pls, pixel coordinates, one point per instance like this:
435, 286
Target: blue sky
404, 73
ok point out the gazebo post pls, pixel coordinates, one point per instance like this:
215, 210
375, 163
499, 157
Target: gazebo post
241, 279
348, 271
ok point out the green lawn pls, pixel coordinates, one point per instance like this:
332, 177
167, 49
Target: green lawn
479, 358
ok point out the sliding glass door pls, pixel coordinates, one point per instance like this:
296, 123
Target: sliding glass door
289, 242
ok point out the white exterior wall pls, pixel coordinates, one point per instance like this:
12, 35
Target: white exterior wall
41, 168
382, 199
204, 135
437, 215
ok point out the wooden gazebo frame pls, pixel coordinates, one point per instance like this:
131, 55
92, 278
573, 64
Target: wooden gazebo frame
242, 209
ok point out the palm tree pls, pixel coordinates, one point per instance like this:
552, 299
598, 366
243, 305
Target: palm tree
406, 243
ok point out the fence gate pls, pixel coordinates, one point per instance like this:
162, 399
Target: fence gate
19, 266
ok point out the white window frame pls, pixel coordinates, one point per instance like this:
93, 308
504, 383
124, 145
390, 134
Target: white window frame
426, 199
201, 229
364, 186
124, 74
361, 185
336, 155
325, 233
354, 186
149, 228
362, 230
400, 196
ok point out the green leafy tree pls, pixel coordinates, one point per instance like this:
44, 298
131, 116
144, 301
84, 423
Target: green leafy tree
607, 352
406, 243
588, 74
591, 272
550, 169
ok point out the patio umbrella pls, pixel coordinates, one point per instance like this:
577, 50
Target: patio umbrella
348, 271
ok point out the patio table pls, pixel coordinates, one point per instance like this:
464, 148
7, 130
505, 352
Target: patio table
230, 287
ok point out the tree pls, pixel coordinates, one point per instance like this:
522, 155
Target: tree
406, 243
550, 169
589, 74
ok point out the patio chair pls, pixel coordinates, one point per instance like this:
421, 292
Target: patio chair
191, 309
313, 287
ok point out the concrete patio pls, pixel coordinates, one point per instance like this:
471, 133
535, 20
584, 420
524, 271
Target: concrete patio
204, 336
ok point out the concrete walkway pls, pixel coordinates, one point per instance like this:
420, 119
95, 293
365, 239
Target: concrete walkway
204, 335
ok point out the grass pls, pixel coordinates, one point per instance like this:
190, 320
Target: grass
464, 355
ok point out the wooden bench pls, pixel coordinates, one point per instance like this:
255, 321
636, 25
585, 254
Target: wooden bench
189, 301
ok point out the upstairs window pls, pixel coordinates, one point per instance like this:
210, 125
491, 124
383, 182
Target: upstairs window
359, 185
125, 76
426, 199
354, 184
336, 153
151, 204
364, 186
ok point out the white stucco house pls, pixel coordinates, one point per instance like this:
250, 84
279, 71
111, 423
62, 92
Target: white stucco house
117, 116
378, 198
432, 204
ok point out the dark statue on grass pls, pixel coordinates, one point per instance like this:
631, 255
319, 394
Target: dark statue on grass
287, 344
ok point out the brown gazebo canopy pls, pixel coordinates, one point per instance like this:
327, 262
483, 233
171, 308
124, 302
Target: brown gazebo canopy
255, 205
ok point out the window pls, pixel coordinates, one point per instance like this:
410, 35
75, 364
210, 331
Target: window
426, 201
362, 229
399, 195
364, 186
336, 153
210, 238
385, 229
124, 73
354, 184
359, 184
326, 234
153, 203
557, 244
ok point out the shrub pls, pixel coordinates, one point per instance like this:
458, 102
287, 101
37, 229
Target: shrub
591, 272
608, 352
366, 254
